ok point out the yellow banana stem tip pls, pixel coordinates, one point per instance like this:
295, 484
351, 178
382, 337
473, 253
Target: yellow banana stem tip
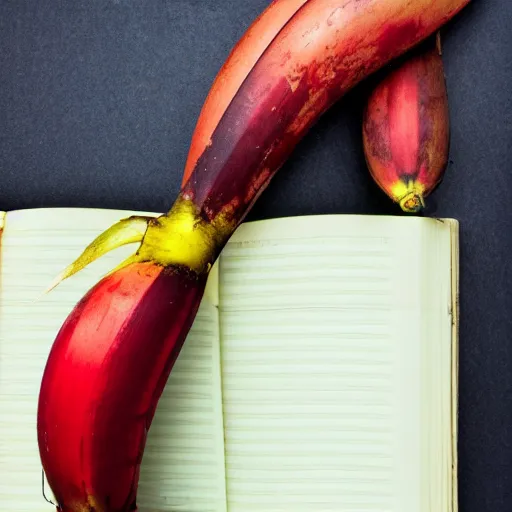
412, 202
126, 231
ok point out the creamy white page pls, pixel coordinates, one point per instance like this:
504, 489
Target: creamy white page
183, 465
323, 366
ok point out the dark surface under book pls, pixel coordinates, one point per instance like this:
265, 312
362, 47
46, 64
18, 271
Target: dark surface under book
98, 102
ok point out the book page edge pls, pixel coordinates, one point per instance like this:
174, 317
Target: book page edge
322, 225
455, 277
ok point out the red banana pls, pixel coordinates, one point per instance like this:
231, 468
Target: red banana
113, 355
234, 71
406, 128
106, 371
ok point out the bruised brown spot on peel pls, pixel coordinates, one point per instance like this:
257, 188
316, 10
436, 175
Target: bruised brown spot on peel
259, 180
307, 113
324, 72
229, 210
375, 138
294, 78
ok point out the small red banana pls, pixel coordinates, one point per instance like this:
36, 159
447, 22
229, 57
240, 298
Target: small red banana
406, 128
113, 355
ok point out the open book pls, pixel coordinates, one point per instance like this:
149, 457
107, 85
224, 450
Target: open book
320, 373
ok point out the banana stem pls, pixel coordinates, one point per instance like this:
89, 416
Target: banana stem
126, 231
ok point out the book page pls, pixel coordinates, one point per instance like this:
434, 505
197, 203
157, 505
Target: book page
439, 330
322, 359
183, 464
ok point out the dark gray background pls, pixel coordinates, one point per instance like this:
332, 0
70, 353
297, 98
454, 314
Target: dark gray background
98, 101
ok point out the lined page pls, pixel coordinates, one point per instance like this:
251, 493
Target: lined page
183, 465
320, 351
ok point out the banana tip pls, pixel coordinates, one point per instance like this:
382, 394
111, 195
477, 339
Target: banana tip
57, 280
412, 202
